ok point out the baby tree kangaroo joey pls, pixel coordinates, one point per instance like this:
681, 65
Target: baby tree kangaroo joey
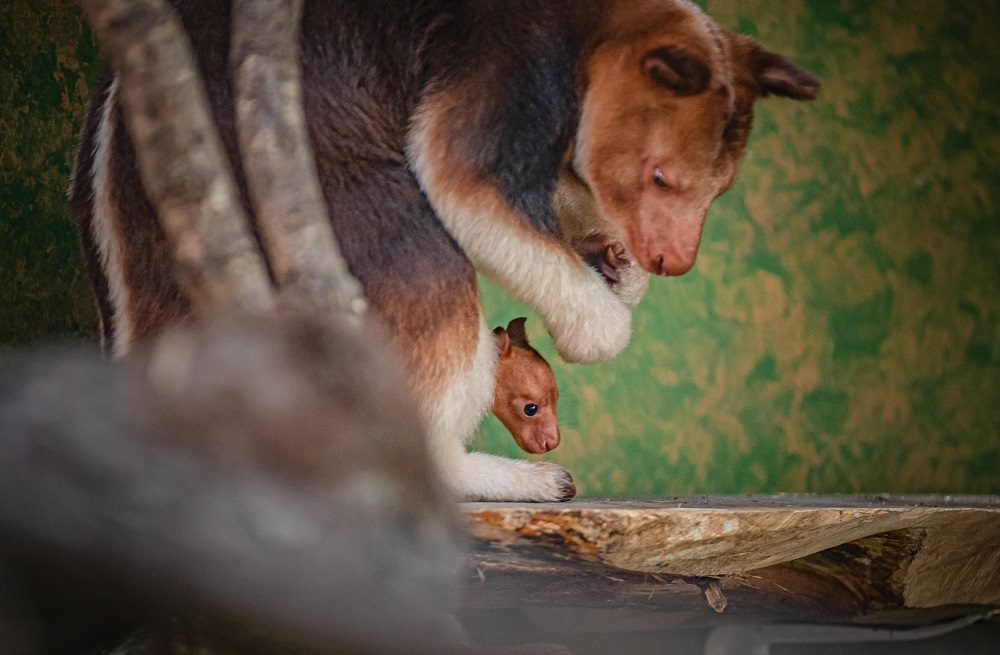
526, 393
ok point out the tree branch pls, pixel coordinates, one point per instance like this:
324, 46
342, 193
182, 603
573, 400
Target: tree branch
281, 172
181, 160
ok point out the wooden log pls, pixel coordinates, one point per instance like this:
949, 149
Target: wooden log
761, 558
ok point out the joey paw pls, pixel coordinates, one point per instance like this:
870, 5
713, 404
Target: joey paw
567, 488
559, 487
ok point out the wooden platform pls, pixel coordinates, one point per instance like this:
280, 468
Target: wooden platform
704, 560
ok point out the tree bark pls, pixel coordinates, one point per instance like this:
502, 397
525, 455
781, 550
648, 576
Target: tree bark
181, 159
277, 158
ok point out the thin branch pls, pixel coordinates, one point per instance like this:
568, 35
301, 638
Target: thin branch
281, 172
181, 160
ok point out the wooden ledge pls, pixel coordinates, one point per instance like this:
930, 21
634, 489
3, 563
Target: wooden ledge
802, 557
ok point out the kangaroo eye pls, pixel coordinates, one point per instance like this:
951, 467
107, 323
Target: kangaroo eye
659, 180
530, 409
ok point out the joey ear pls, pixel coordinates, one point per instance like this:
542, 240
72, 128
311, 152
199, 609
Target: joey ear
680, 71
518, 335
778, 76
503, 341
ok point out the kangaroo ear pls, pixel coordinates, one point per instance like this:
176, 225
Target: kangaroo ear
518, 335
680, 71
778, 76
503, 341
772, 73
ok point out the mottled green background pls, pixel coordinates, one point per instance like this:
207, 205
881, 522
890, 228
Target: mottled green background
841, 331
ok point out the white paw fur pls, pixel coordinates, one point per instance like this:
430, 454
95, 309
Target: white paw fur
587, 321
492, 478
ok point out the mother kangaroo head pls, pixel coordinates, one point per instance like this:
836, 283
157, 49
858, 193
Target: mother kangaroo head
667, 106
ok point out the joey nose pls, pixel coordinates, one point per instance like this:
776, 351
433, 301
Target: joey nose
549, 440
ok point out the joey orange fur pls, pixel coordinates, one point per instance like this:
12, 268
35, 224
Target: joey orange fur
526, 394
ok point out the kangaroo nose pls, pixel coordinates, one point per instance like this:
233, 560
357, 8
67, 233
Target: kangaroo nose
672, 266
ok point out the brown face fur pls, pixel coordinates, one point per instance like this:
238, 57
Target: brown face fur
667, 108
526, 393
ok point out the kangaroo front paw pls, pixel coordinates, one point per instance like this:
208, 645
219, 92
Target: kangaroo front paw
632, 282
616, 265
603, 254
594, 329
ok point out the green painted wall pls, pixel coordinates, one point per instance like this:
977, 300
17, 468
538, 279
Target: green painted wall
841, 331
47, 62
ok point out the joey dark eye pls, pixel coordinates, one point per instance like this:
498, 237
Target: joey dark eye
530, 409
659, 180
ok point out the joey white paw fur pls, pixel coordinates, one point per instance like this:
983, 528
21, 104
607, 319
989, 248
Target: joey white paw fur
492, 478
554, 483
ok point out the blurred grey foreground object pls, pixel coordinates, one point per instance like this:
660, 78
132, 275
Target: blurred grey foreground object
260, 473
264, 476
